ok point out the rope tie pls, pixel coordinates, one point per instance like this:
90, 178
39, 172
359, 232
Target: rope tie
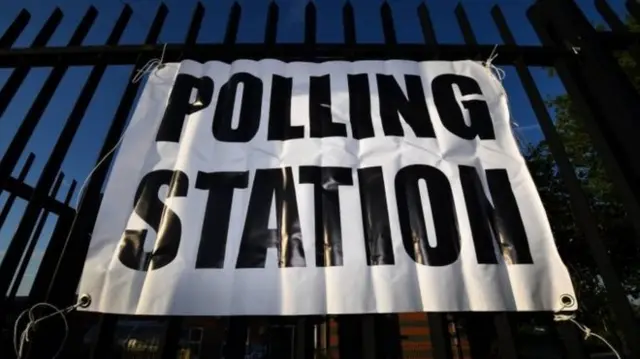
498, 75
497, 72
151, 66
563, 317
25, 336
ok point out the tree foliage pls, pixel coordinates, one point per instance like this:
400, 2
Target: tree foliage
605, 205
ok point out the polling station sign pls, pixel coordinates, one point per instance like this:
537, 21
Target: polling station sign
274, 188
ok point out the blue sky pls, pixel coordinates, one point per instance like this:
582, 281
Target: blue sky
87, 143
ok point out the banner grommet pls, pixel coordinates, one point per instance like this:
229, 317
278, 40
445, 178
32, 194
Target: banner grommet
84, 301
567, 301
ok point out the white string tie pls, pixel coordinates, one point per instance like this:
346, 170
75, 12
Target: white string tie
25, 335
499, 73
91, 173
151, 66
586, 330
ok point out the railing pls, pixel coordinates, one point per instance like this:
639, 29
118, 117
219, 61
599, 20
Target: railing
582, 58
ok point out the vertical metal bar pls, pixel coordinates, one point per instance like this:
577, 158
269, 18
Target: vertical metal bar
194, 26
350, 336
439, 335
456, 339
310, 26
102, 348
236, 338
66, 270
12, 197
52, 167
388, 28
15, 29
349, 24
330, 326
70, 192
51, 256
466, 29
465, 26
633, 7
568, 72
616, 24
428, 31
562, 336
580, 207
26, 257
18, 75
234, 23
300, 335
171, 340
387, 341
614, 102
28, 125
321, 340
610, 16
480, 334
367, 327
572, 340
271, 28
120, 26
506, 339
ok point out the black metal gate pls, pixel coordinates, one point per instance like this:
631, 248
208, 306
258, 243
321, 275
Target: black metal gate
601, 93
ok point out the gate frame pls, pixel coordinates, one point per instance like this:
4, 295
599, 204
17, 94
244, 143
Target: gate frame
582, 57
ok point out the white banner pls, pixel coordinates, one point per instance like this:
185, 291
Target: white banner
273, 188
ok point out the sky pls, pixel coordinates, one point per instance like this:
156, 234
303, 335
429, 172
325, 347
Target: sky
84, 149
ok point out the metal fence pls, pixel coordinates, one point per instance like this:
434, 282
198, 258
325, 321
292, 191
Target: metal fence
582, 57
